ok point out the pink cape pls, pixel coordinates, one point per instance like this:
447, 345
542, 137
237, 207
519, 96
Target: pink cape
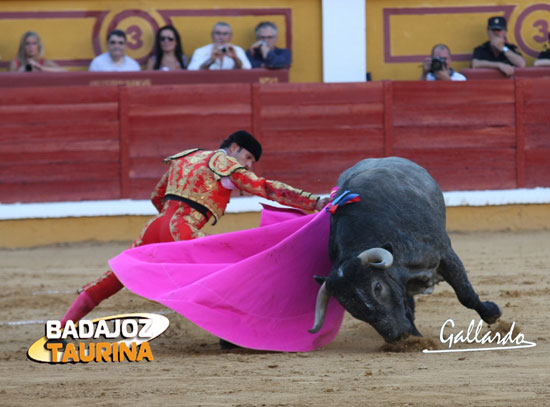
254, 288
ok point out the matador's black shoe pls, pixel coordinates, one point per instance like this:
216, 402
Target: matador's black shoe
228, 345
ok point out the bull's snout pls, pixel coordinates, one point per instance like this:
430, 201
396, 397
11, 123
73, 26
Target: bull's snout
396, 336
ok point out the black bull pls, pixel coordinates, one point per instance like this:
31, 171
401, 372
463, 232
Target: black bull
390, 246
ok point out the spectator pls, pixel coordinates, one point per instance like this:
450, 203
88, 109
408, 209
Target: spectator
438, 66
168, 51
263, 53
498, 53
221, 54
30, 56
115, 60
544, 57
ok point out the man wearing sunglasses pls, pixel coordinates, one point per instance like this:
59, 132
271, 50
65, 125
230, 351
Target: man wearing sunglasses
438, 66
115, 59
264, 53
498, 53
221, 54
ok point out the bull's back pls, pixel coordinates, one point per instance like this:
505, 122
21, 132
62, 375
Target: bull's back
395, 179
400, 202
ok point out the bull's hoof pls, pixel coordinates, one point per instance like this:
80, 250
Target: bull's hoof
491, 312
416, 333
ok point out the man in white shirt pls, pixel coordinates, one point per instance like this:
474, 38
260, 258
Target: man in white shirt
438, 66
221, 54
115, 60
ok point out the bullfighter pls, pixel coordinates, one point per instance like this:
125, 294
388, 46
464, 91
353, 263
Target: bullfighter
197, 187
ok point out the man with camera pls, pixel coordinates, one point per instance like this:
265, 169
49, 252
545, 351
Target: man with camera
221, 54
438, 66
498, 52
264, 53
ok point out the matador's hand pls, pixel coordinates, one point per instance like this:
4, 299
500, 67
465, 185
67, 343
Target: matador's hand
321, 203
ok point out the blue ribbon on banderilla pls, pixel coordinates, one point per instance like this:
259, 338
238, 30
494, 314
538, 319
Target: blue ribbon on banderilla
345, 198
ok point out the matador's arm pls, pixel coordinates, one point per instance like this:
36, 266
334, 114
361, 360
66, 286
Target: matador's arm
274, 190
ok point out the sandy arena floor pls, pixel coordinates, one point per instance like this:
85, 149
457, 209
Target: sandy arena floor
511, 269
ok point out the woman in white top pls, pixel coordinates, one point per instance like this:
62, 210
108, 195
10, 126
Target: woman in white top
168, 51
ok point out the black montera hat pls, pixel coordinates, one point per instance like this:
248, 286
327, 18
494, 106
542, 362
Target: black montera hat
496, 23
245, 140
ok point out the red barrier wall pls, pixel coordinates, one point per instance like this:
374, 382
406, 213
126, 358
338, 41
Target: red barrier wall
487, 73
140, 78
534, 131
312, 132
75, 143
59, 144
464, 133
163, 120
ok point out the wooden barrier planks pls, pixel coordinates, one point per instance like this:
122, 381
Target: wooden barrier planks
163, 120
79, 143
463, 133
488, 73
59, 144
140, 78
536, 128
312, 132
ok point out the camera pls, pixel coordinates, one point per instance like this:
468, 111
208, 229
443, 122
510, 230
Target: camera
438, 64
223, 50
28, 68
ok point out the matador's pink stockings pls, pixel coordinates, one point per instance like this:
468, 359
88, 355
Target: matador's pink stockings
91, 295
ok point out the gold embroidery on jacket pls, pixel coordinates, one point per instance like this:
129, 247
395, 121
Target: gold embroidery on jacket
186, 217
192, 178
223, 165
196, 176
179, 155
195, 221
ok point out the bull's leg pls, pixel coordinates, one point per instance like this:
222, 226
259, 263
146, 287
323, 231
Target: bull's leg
453, 271
410, 314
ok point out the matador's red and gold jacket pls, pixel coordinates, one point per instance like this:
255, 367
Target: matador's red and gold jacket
203, 177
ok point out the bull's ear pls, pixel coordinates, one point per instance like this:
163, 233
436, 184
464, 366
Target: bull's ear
388, 246
320, 279
420, 283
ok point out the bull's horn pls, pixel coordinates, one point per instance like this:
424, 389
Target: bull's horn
377, 257
323, 297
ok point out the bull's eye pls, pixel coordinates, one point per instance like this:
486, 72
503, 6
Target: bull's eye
378, 289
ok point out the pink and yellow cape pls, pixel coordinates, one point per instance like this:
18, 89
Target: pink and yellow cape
254, 288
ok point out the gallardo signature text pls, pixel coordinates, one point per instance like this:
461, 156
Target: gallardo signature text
473, 335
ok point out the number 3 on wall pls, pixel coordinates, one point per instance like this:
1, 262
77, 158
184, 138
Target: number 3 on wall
529, 39
543, 30
135, 37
